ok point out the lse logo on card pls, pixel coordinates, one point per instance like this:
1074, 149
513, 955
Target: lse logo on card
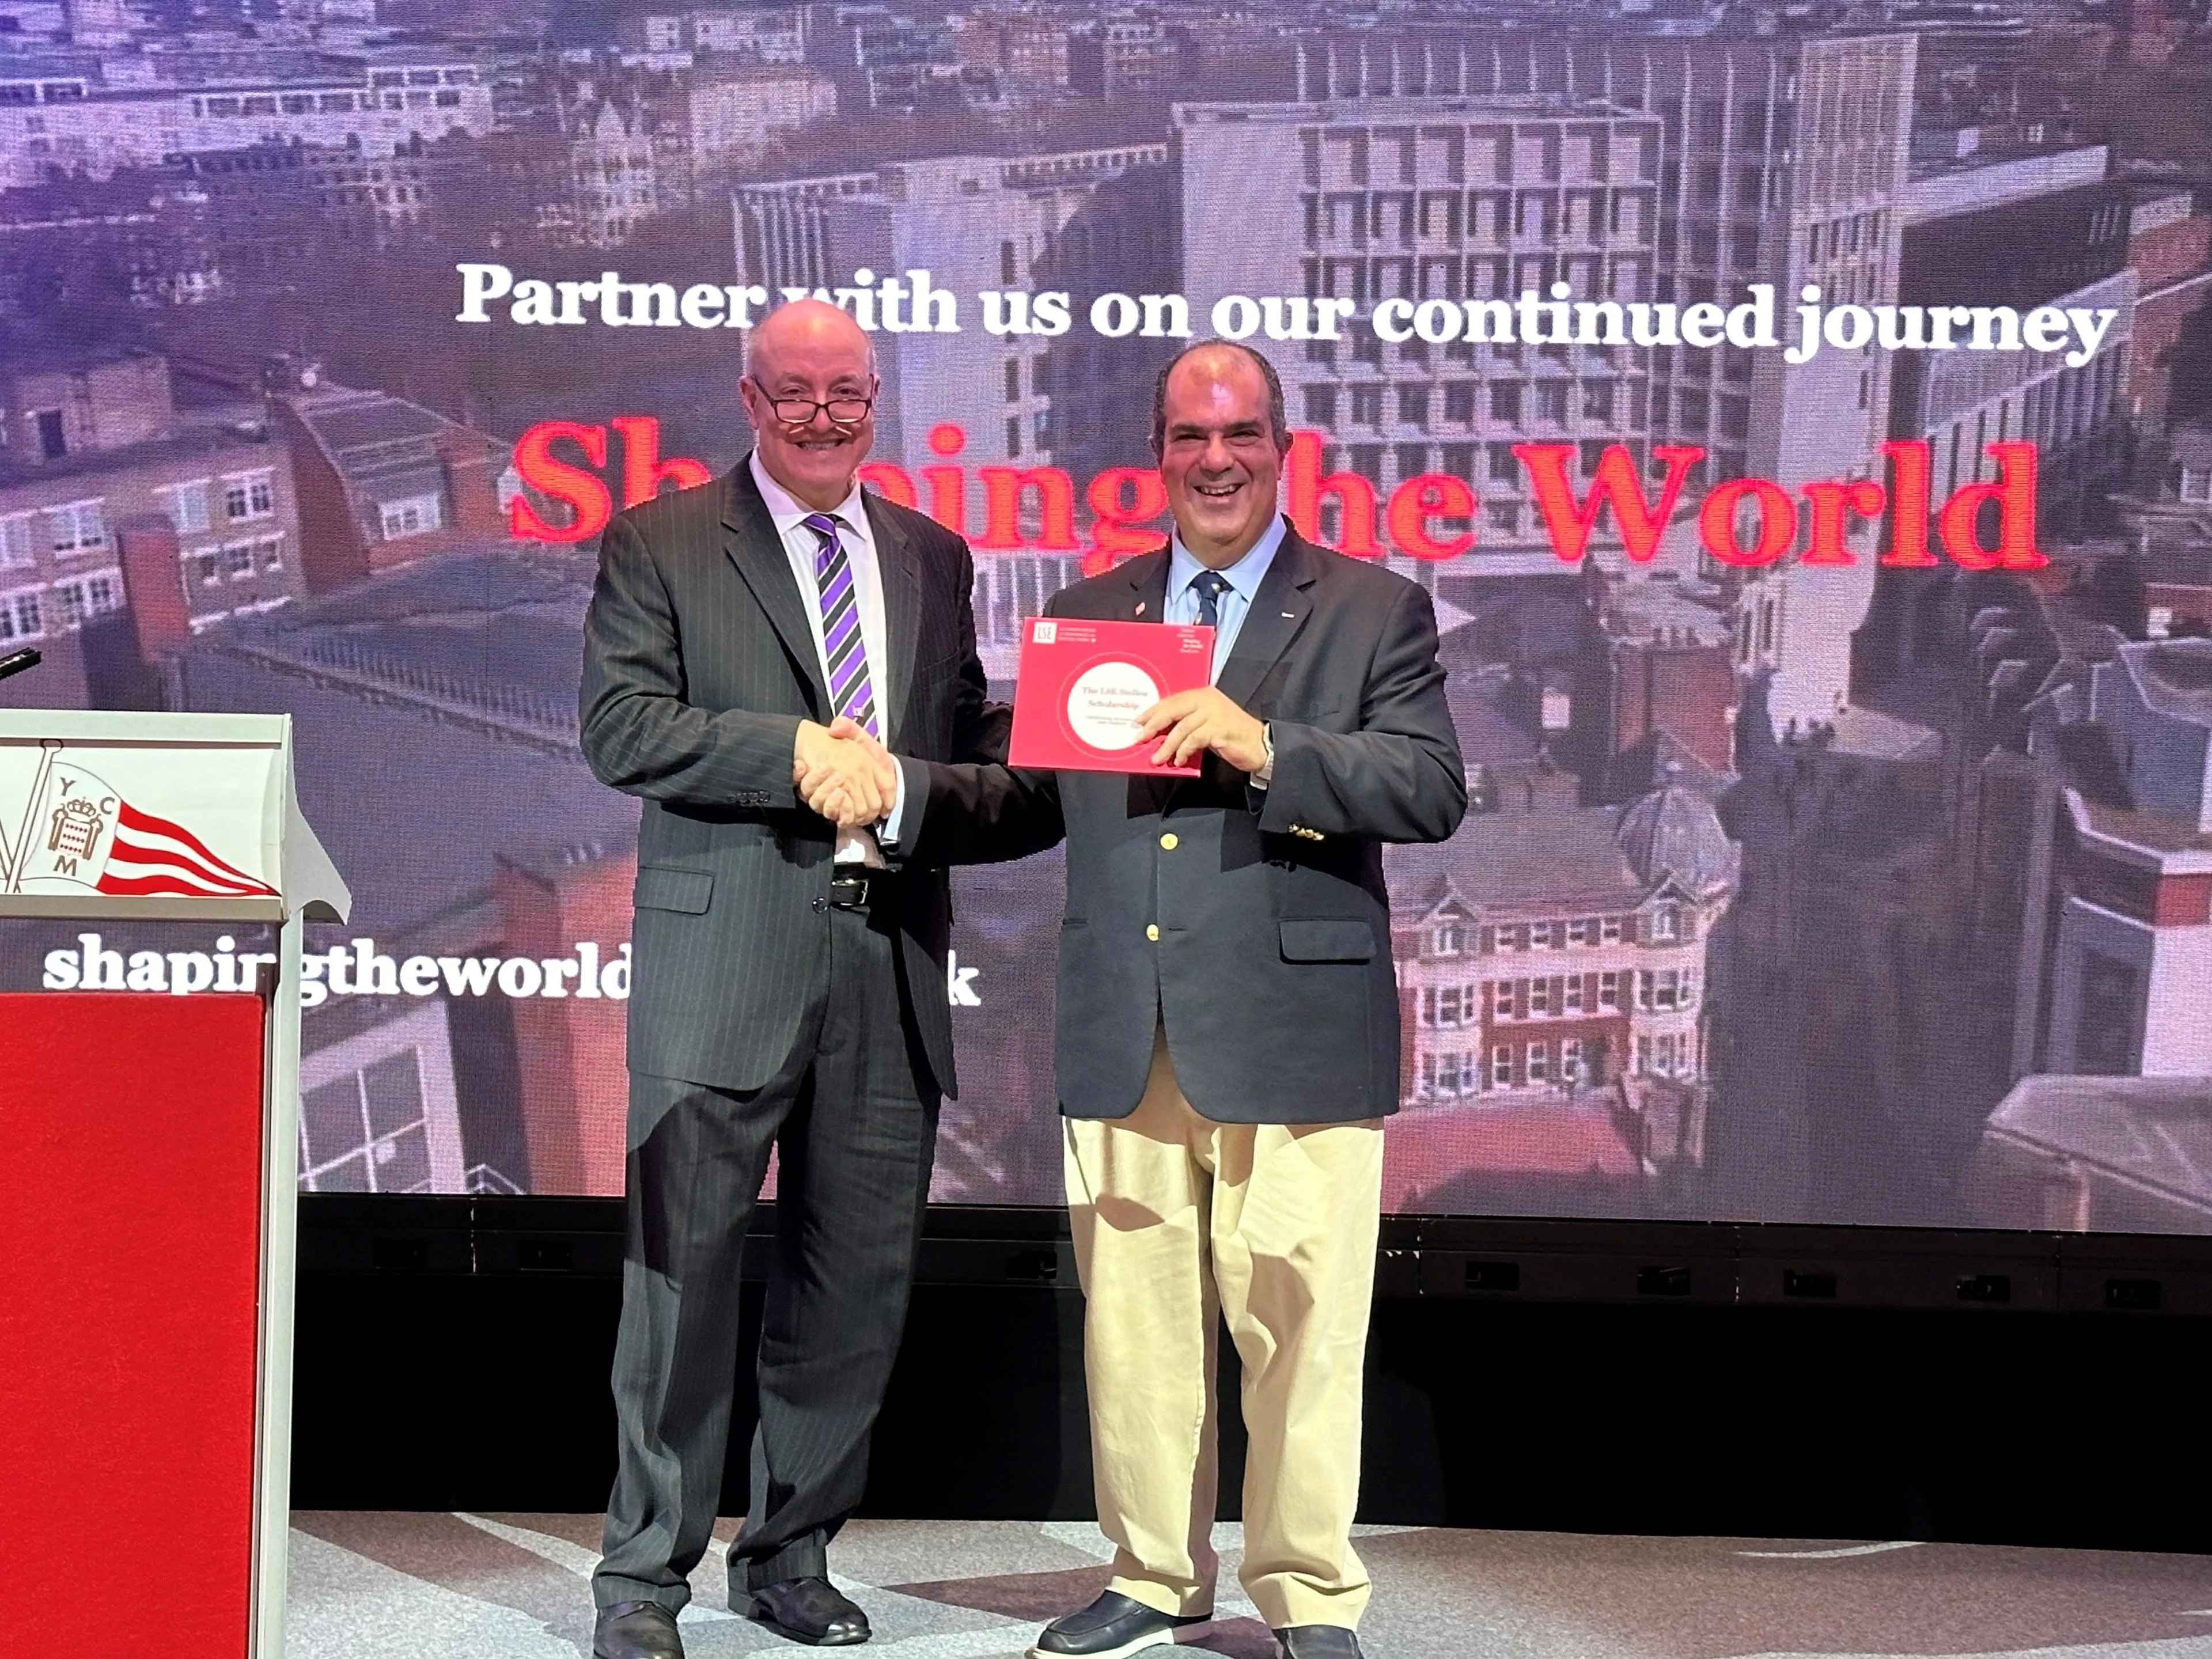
1045, 633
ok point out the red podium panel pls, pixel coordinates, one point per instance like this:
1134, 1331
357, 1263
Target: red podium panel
131, 1155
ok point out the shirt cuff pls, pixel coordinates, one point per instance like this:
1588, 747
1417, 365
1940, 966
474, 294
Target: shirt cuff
1266, 775
887, 829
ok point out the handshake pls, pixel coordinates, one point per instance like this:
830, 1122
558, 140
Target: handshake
843, 773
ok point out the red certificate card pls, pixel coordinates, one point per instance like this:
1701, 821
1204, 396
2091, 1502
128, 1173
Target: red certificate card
1084, 687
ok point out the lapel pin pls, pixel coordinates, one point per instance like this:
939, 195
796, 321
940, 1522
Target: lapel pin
1290, 616
1140, 607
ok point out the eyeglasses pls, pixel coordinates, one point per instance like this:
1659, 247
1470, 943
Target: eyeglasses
841, 411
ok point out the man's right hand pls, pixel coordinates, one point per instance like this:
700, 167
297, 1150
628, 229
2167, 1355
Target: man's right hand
845, 779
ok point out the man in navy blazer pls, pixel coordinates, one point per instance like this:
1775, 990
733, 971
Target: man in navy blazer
1226, 1037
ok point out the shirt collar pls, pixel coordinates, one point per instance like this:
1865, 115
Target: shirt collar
788, 511
1244, 575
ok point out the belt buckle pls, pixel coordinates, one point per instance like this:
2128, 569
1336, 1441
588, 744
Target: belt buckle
855, 885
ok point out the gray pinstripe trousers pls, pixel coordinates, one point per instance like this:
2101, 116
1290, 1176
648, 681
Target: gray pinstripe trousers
854, 1118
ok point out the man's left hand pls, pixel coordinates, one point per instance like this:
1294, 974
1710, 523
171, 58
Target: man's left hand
843, 774
1194, 722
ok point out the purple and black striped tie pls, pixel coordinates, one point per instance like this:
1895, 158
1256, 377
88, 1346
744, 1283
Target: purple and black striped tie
850, 691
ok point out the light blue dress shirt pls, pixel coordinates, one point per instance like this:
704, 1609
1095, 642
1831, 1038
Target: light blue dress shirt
1244, 578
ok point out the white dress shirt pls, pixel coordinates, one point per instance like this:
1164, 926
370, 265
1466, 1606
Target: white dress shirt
802, 547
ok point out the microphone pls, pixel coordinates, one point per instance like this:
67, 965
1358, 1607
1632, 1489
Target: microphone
16, 661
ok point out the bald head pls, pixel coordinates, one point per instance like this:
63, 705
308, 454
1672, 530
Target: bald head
810, 392
810, 327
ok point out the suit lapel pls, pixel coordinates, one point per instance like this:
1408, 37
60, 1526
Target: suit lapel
900, 571
1148, 583
750, 540
1277, 611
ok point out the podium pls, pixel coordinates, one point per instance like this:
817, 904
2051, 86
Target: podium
149, 1173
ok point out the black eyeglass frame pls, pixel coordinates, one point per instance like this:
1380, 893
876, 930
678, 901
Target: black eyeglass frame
827, 407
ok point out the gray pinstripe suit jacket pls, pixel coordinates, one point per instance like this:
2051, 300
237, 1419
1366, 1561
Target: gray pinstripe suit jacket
699, 663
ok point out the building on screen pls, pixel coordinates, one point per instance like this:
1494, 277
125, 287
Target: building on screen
2098, 1154
2047, 229
2042, 227
2170, 250
1449, 199
90, 114
2119, 967
1554, 1026
441, 694
128, 524
1560, 951
382, 481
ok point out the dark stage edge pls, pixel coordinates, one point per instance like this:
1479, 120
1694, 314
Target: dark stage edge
383, 1585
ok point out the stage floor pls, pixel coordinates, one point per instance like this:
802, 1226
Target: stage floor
392, 1586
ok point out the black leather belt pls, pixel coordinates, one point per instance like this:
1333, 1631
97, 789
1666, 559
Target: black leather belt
855, 891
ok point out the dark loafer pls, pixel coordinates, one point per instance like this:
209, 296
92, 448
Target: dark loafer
636, 1630
1112, 1627
808, 1610
1318, 1642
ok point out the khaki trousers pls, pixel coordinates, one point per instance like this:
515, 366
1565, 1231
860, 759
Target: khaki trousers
1177, 1221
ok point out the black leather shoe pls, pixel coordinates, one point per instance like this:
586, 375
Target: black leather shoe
1318, 1642
1112, 1627
808, 1610
636, 1630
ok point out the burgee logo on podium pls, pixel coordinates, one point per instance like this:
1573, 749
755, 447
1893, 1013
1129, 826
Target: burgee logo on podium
356, 968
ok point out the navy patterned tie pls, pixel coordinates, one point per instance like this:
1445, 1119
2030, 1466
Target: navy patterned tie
850, 691
1210, 585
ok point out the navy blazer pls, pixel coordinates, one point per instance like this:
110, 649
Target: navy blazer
1252, 924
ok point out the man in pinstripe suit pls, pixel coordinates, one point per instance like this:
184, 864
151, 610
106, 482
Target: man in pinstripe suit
790, 974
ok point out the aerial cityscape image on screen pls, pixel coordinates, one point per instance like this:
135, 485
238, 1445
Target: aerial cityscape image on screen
1800, 413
